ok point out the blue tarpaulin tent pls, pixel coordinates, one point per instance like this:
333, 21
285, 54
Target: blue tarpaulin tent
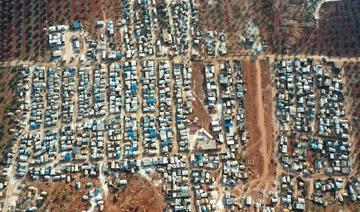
67, 156
72, 72
119, 56
228, 124
77, 26
150, 101
133, 87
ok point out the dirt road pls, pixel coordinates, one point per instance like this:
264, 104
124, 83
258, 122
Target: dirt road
259, 120
317, 9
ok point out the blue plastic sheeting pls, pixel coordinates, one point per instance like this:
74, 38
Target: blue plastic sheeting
97, 191
77, 25
228, 124
231, 183
118, 155
203, 209
119, 55
133, 87
130, 132
166, 142
314, 146
67, 156
152, 133
150, 101
185, 190
34, 126
72, 72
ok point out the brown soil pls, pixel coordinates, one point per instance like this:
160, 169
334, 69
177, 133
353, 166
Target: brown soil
290, 146
198, 80
259, 113
309, 160
7, 104
201, 113
348, 206
231, 16
252, 116
113, 9
139, 195
5, 96
89, 13
198, 87
63, 196
352, 79
337, 33
23, 23
269, 111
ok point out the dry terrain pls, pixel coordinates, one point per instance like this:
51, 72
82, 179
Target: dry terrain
352, 79
347, 206
260, 124
8, 81
22, 23
200, 112
61, 196
139, 195
337, 33
236, 18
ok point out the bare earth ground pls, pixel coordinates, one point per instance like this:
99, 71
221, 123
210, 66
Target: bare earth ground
352, 80
139, 195
7, 82
200, 112
346, 207
5, 97
259, 117
337, 33
23, 23
232, 16
63, 196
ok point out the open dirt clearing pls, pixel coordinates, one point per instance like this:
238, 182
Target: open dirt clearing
200, 112
260, 125
62, 196
139, 195
233, 17
8, 81
335, 34
348, 206
352, 82
23, 22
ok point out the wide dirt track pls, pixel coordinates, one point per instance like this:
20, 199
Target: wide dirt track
260, 124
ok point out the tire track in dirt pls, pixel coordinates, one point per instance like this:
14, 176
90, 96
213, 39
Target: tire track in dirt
259, 109
261, 118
